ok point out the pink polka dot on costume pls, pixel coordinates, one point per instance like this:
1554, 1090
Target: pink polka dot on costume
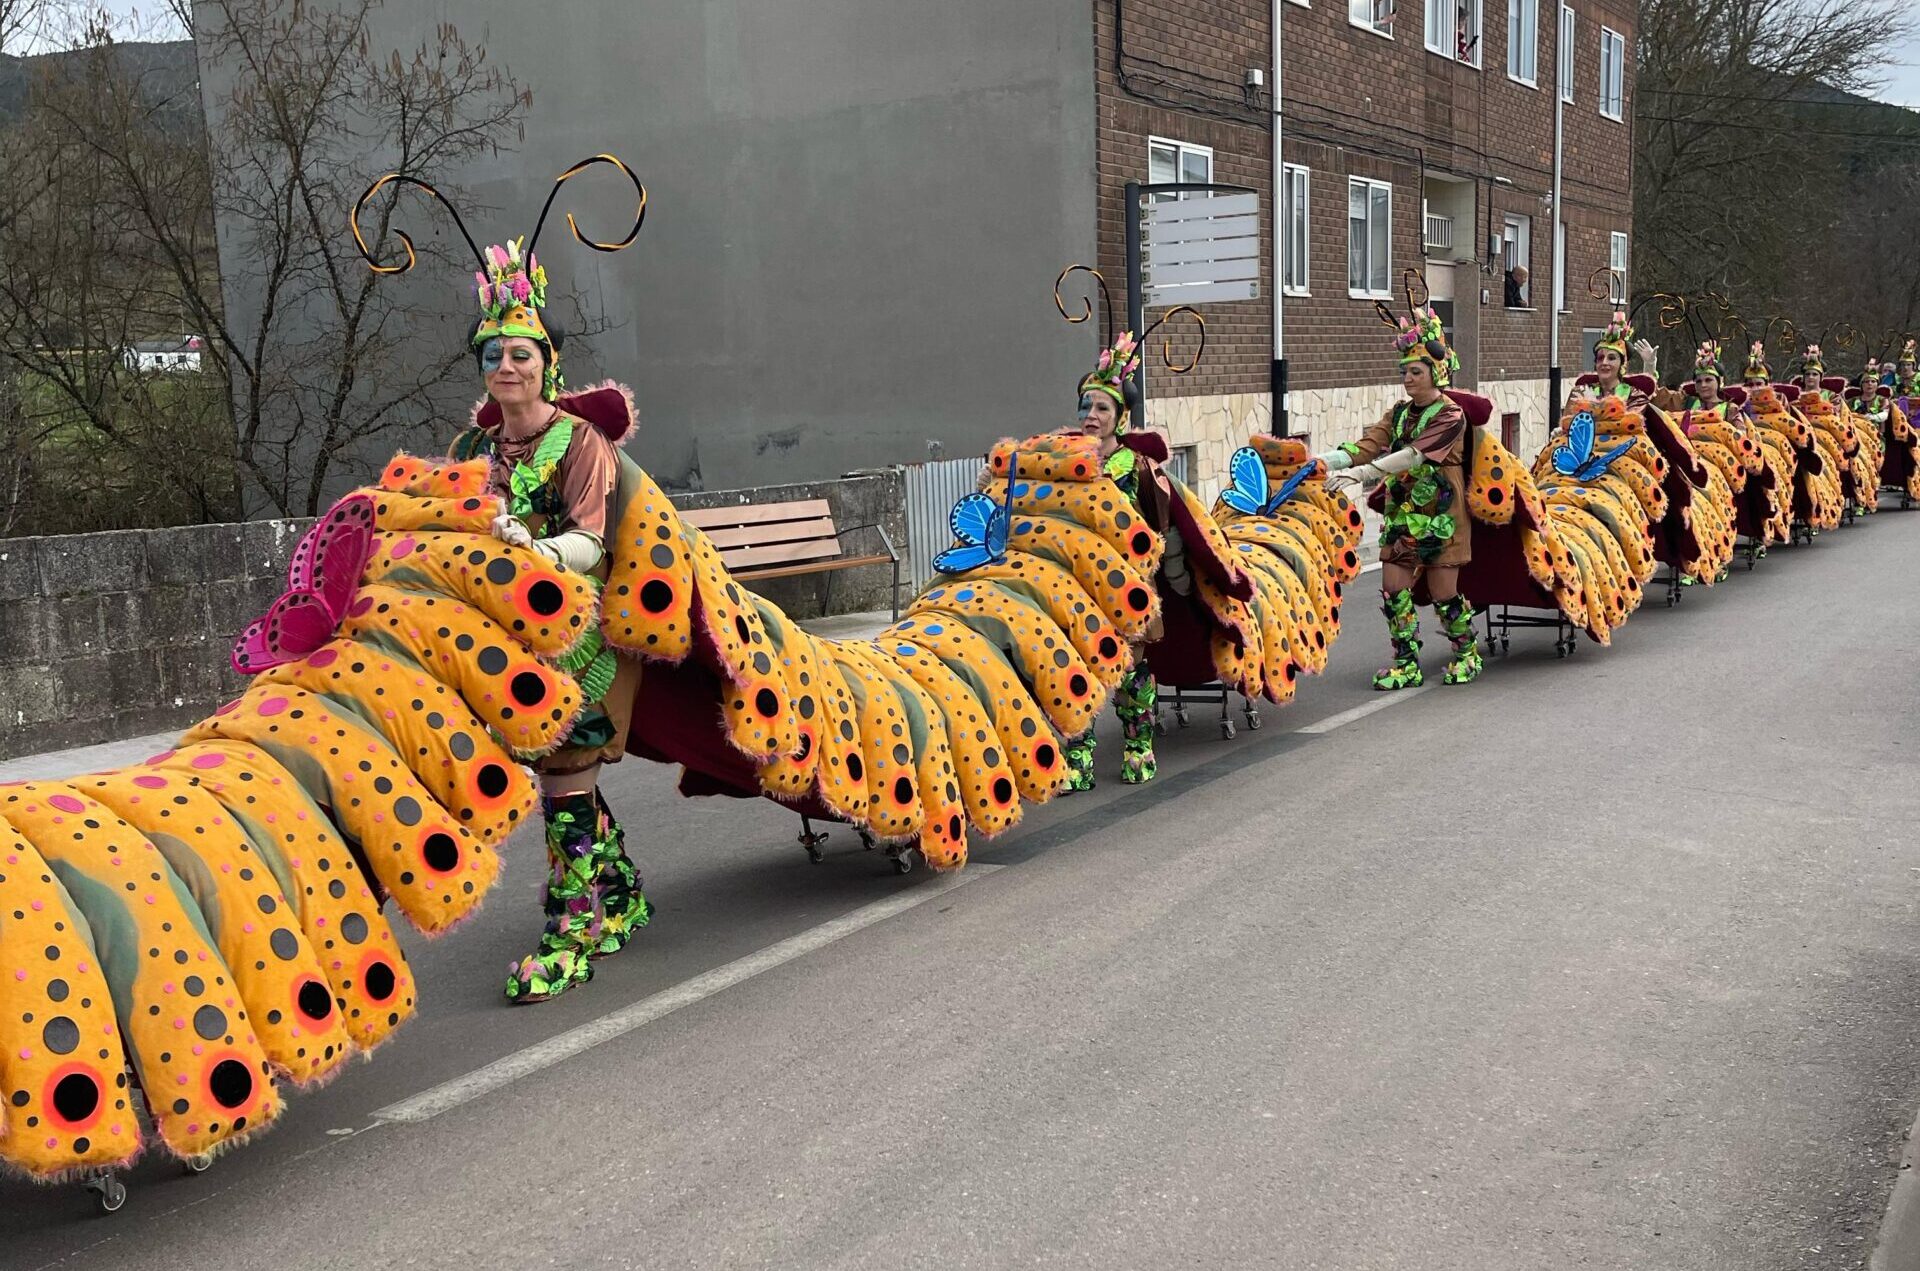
149, 782
160, 758
66, 803
272, 706
404, 548
361, 607
323, 657
208, 761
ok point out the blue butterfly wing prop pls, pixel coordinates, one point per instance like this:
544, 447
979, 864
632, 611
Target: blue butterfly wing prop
971, 517
981, 525
1291, 485
1594, 467
1248, 493
1570, 458
958, 560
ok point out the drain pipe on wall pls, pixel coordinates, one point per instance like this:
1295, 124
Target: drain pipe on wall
1280, 425
1559, 246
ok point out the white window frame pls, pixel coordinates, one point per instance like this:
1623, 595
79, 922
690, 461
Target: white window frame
1366, 14
1563, 54
1617, 267
1613, 87
1304, 4
1182, 150
1523, 42
1442, 29
1384, 291
1296, 276
1516, 248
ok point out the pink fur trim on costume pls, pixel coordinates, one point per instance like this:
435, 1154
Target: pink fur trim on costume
608, 406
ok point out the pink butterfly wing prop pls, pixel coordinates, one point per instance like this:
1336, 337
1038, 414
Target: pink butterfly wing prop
322, 579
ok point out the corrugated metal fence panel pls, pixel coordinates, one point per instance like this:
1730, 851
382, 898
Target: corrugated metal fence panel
932, 490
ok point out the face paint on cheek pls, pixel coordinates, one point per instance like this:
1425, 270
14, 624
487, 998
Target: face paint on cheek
1086, 406
492, 353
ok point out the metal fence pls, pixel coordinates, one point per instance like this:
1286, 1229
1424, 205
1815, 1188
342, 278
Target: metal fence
933, 489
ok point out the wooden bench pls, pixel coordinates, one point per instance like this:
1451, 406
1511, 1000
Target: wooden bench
785, 540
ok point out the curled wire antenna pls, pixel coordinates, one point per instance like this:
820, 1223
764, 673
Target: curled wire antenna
639, 215
1408, 277
1788, 338
1166, 345
1386, 314
372, 257
1605, 292
1086, 299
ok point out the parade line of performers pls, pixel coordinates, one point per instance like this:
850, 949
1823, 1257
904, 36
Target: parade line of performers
463, 647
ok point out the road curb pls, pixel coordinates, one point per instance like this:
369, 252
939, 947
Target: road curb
1898, 1246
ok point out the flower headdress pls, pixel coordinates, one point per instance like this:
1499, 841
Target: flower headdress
1757, 362
1618, 335
1908, 356
1420, 335
1117, 365
1116, 373
510, 283
1811, 362
1706, 359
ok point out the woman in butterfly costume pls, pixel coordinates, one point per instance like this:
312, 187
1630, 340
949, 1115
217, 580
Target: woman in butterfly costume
1417, 452
557, 476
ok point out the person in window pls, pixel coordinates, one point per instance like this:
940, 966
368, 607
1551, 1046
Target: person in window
1517, 287
558, 475
1417, 451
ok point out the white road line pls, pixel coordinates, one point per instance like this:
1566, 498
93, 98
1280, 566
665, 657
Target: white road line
1344, 718
563, 1046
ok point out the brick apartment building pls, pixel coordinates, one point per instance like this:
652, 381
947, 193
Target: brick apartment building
1418, 135
859, 205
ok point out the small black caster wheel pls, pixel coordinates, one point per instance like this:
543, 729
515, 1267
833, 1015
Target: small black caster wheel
1227, 729
903, 863
1505, 644
814, 854
1253, 721
866, 839
197, 1164
1181, 717
109, 1191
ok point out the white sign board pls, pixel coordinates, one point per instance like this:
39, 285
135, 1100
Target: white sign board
1200, 248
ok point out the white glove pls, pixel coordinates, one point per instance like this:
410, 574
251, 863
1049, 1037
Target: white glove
1649, 356
1333, 460
576, 550
985, 479
1380, 469
512, 531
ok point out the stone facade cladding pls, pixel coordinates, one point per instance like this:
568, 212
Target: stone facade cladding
104, 636
1357, 104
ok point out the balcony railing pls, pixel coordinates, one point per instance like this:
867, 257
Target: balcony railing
1439, 231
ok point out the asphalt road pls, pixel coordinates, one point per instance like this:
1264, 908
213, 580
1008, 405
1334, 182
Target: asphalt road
1610, 962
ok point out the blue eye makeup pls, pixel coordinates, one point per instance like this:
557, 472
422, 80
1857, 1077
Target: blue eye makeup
1086, 405
491, 354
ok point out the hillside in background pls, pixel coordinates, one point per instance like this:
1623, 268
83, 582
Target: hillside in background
167, 73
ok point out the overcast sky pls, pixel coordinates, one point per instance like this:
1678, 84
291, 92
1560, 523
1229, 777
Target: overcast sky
1901, 83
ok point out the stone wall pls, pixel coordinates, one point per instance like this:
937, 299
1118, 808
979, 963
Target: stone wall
104, 636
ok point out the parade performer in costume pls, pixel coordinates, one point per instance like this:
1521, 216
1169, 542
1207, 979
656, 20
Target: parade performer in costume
1610, 362
1854, 442
1417, 451
1106, 414
557, 475
1705, 398
1906, 372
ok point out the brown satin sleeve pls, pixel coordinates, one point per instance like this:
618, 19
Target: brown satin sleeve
1439, 441
588, 476
1374, 441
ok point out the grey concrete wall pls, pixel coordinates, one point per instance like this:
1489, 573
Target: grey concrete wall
858, 210
113, 635
105, 636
